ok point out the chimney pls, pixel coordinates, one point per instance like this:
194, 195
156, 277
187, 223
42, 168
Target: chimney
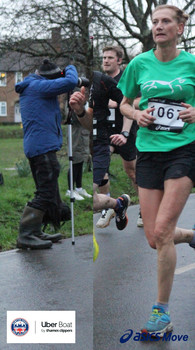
56, 38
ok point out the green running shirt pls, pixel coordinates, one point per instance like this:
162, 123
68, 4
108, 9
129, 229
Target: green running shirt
173, 80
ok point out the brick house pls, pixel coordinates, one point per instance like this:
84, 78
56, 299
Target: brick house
10, 74
14, 66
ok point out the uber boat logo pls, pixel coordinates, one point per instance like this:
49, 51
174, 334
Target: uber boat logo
19, 327
42, 327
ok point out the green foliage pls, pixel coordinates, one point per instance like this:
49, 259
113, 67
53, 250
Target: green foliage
15, 131
17, 191
11, 131
23, 168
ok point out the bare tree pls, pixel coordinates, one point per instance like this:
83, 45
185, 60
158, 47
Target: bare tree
63, 29
55, 28
130, 24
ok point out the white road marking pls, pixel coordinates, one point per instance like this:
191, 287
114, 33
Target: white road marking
184, 269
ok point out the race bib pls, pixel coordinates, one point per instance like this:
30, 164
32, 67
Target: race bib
111, 118
167, 115
94, 128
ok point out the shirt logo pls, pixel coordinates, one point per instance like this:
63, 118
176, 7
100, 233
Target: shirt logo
155, 84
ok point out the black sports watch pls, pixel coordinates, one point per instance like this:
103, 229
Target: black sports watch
125, 134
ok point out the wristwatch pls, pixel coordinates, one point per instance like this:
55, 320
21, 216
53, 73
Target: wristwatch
82, 114
125, 134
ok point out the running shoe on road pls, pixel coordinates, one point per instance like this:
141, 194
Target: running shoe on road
159, 322
139, 220
121, 217
106, 216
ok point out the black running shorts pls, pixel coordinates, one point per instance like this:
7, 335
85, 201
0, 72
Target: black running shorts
101, 162
153, 168
128, 150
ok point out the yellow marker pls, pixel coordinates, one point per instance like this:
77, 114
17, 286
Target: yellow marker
95, 248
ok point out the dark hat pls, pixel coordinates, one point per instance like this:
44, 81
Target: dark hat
49, 70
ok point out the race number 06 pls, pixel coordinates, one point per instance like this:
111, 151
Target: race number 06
161, 112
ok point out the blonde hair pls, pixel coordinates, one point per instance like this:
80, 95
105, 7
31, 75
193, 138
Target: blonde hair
180, 15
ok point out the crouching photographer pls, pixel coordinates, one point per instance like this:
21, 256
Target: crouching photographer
41, 121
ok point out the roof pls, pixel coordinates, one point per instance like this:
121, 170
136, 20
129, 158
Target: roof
28, 54
15, 61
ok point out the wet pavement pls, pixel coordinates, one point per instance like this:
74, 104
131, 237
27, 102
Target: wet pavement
56, 279
125, 287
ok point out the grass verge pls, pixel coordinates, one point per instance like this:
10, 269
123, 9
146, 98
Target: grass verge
17, 191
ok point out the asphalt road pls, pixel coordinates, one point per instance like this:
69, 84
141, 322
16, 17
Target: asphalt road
119, 296
125, 287
56, 279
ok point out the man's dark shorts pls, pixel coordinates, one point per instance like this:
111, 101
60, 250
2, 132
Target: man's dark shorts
101, 162
128, 151
153, 168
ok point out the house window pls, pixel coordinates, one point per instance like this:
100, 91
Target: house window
3, 109
18, 77
3, 79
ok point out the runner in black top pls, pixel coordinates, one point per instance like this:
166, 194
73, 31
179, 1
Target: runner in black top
103, 88
123, 130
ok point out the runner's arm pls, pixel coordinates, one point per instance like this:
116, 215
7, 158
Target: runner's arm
188, 115
127, 123
143, 117
87, 120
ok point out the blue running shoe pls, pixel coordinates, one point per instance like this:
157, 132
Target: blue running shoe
121, 217
193, 244
159, 322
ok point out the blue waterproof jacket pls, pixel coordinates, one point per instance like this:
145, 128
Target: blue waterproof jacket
40, 112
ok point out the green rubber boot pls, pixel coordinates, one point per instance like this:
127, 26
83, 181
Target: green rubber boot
30, 230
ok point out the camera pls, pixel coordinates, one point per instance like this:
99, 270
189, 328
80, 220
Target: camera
82, 81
